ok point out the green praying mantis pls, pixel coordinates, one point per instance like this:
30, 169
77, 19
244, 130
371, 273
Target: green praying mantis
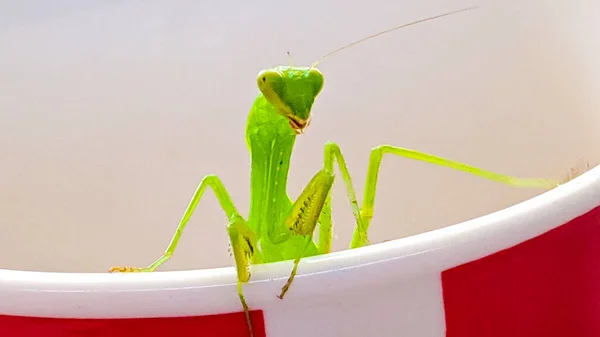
279, 228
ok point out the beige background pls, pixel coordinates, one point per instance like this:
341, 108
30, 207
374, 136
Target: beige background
112, 111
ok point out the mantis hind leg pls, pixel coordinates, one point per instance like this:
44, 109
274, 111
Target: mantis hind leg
242, 239
364, 214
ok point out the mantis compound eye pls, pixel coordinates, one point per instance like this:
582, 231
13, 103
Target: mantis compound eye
270, 82
316, 79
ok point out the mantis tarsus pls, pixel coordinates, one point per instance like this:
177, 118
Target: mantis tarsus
278, 228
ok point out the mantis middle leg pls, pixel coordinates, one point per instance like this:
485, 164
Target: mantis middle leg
364, 214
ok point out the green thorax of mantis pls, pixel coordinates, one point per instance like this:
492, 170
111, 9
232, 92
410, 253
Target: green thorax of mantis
279, 228
280, 112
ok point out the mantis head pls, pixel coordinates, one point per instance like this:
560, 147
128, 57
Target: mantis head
292, 91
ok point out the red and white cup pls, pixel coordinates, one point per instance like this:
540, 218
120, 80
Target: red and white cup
116, 111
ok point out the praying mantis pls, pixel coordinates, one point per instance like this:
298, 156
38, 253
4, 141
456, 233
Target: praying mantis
277, 227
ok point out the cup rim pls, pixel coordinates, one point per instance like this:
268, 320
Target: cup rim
36, 293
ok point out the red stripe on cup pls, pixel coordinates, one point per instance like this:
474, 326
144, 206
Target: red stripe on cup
546, 286
231, 324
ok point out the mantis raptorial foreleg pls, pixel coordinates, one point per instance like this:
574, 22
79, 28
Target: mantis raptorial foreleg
305, 213
242, 239
243, 244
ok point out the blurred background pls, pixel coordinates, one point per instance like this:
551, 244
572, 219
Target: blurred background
112, 111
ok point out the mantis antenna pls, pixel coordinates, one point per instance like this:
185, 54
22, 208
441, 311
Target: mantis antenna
389, 31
